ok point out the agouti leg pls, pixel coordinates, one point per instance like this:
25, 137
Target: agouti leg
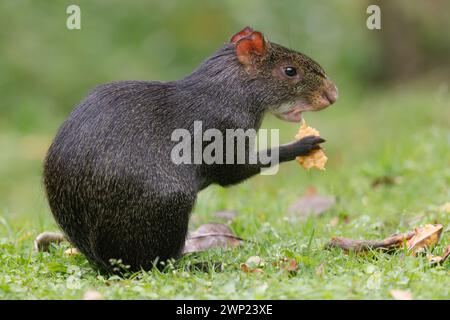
152, 231
233, 174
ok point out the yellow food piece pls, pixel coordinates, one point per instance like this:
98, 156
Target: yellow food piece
317, 159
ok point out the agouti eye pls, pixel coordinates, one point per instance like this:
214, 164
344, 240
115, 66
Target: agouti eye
290, 71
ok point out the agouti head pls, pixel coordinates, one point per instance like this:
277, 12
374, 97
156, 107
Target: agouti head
290, 81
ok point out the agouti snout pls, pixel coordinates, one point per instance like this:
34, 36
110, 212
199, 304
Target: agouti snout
108, 175
330, 92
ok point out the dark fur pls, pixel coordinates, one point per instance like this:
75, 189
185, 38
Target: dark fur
110, 182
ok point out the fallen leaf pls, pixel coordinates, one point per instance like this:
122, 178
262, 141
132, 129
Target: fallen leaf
312, 204
227, 215
43, 240
211, 235
386, 180
400, 294
92, 295
416, 240
424, 237
72, 252
394, 241
245, 268
253, 264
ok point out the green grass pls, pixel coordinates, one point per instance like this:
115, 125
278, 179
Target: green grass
399, 132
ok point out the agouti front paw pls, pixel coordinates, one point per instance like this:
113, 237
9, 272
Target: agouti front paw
302, 147
306, 145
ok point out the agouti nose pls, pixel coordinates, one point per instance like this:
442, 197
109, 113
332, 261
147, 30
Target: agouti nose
331, 93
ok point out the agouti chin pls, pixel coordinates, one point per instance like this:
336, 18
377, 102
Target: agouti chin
108, 175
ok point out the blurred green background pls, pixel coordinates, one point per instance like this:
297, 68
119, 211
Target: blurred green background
392, 81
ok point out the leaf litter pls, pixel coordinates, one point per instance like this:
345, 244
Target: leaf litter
417, 241
211, 235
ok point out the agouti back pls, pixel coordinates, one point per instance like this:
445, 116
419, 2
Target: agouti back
110, 181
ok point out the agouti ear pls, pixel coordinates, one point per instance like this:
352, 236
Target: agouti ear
241, 34
250, 47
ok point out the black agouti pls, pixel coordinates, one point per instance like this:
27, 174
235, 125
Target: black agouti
109, 178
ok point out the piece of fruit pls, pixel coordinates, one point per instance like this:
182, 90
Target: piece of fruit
317, 158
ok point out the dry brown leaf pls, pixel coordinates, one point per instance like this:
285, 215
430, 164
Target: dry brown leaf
211, 235
253, 264
311, 204
317, 158
424, 237
394, 241
400, 294
416, 240
245, 268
